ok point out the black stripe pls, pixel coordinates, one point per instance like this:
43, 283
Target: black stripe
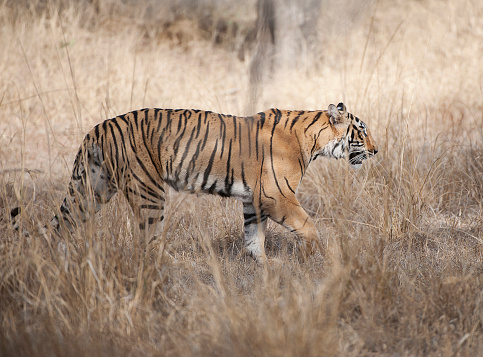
302, 170
261, 173
179, 125
198, 126
116, 147
123, 118
256, 137
276, 121
158, 115
287, 118
135, 115
147, 206
96, 130
148, 149
288, 185
123, 141
317, 116
301, 153
205, 139
150, 130
178, 140
248, 216
265, 194
223, 137
295, 120
253, 218
213, 187
249, 130
228, 182
192, 163
132, 137
64, 209
262, 119
148, 189
210, 165
245, 185
139, 194
185, 153
240, 136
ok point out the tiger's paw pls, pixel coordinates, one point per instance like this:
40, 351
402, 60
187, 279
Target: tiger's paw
308, 251
260, 259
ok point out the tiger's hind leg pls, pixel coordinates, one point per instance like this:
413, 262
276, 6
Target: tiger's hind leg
255, 225
91, 185
147, 203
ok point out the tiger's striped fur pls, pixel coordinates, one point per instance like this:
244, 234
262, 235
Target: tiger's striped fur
259, 160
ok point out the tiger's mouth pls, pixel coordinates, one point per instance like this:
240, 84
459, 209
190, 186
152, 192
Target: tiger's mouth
356, 158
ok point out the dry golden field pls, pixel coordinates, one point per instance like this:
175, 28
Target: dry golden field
402, 273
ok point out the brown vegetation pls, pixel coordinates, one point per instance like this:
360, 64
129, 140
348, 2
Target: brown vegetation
402, 273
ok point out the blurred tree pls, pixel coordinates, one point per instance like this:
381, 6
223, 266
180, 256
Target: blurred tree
286, 39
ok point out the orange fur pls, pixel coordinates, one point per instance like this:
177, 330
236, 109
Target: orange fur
259, 160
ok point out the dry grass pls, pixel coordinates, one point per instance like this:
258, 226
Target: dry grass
403, 270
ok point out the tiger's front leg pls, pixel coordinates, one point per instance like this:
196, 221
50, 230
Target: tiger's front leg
255, 225
290, 214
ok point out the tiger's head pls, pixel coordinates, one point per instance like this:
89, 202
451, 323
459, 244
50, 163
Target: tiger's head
354, 137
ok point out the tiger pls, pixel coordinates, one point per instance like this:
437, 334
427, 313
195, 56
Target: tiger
259, 160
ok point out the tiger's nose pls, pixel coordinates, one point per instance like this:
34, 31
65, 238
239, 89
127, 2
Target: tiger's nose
374, 152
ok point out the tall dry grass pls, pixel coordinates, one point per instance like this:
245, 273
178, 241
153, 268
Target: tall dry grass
403, 264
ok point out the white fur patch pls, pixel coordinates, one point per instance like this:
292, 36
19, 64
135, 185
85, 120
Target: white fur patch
238, 190
335, 148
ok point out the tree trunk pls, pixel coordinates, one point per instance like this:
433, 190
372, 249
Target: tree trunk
286, 39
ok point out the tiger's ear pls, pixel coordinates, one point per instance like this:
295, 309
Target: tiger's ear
341, 107
334, 115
